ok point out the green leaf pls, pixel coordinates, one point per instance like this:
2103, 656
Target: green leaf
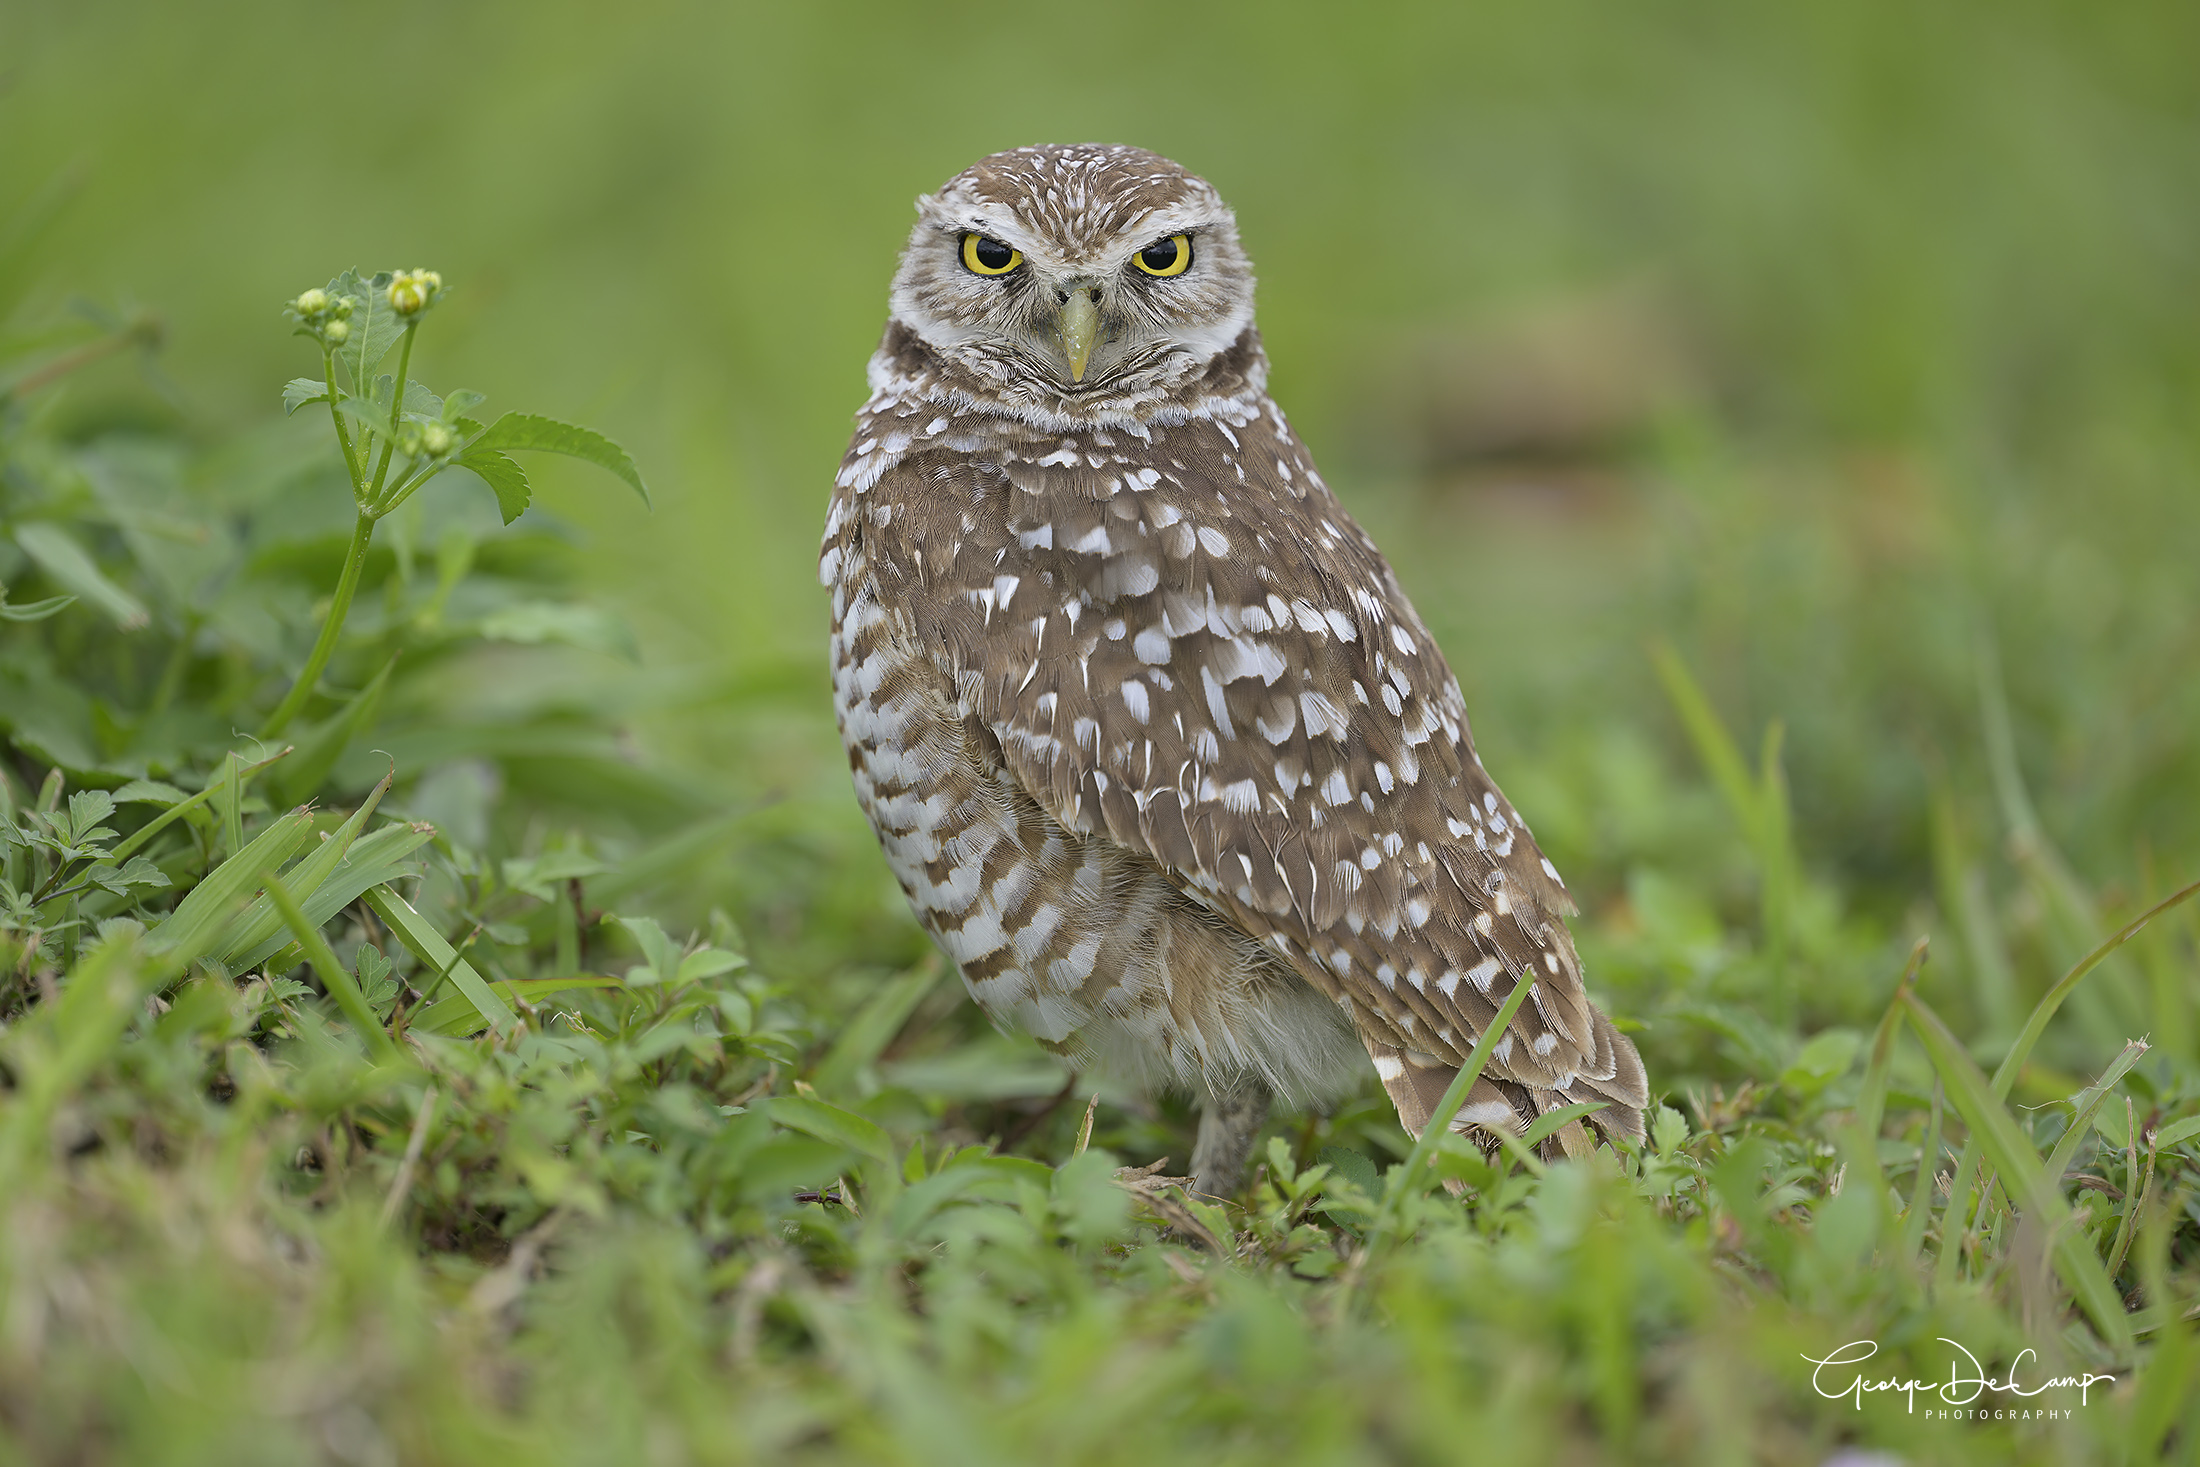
707, 962
2177, 1133
374, 326
299, 391
364, 412
1825, 1059
541, 877
660, 955
505, 478
137, 871
375, 859
149, 792
375, 983
427, 944
1550, 1121
86, 809
461, 401
421, 405
60, 557
831, 1123
548, 435
533, 623
1353, 1167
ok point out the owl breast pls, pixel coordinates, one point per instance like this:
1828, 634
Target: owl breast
1065, 935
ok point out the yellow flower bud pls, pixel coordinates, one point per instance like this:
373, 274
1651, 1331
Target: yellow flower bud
341, 308
311, 303
412, 291
435, 438
335, 333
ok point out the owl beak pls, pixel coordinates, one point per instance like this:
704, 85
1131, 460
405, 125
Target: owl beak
1080, 329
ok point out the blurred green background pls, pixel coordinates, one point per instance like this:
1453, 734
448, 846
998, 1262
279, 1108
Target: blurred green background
1851, 347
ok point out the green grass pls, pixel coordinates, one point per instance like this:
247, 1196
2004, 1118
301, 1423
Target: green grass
1783, 416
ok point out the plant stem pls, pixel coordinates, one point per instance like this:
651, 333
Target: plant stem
352, 465
179, 663
405, 487
347, 585
397, 411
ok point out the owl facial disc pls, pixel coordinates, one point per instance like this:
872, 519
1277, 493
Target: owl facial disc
1090, 283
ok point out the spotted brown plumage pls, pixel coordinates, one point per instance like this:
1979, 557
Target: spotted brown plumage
1149, 732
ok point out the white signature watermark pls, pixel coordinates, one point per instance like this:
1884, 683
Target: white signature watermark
1960, 1389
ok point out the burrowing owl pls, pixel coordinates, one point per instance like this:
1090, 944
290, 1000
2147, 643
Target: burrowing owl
1152, 738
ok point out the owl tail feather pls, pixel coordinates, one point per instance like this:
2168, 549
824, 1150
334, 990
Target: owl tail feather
1498, 1107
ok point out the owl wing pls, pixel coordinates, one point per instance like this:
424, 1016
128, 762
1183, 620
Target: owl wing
1187, 645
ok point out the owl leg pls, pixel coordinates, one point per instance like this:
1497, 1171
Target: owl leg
1228, 1126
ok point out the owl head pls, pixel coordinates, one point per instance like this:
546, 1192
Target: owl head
1084, 281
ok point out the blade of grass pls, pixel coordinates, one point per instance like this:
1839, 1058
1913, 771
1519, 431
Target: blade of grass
1921, 1189
874, 1026
2163, 1391
1961, 889
1714, 745
1778, 867
2005, 1075
373, 860
261, 920
199, 920
2136, 1188
1951, 1230
335, 977
2005, 1144
162, 821
2084, 1104
2059, 890
1871, 1099
427, 944
1760, 805
1439, 1121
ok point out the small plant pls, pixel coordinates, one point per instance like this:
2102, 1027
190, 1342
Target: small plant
395, 440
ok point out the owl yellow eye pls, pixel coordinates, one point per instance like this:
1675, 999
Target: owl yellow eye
987, 256
1166, 257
